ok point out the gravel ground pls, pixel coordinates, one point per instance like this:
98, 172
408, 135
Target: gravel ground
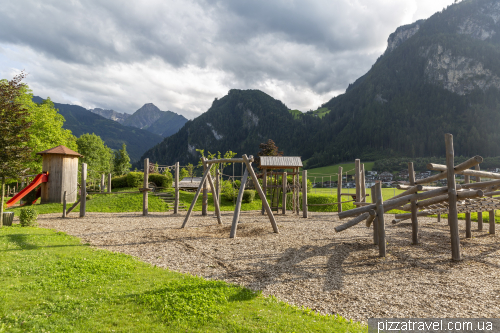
308, 264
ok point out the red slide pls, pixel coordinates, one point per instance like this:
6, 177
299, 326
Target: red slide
40, 178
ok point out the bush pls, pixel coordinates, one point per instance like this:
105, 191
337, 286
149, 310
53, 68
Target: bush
322, 199
161, 180
135, 179
28, 217
248, 196
119, 182
30, 197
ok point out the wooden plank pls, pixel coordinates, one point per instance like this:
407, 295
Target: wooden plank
380, 220
452, 199
283, 194
339, 188
237, 209
305, 210
196, 195
261, 193
176, 180
352, 222
413, 206
83, 195
145, 185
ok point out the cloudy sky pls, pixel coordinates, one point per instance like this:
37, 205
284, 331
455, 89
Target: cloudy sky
181, 54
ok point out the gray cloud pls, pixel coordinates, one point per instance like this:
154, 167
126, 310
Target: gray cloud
180, 54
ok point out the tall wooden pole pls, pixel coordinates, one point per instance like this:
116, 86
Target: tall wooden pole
297, 170
414, 219
176, 199
363, 185
283, 196
145, 188
375, 221
197, 194
237, 209
339, 190
304, 194
468, 223
64, 205
380, 220
479, 214
204, 202
452, 198
216, 184
264, 188
109, 183
83, 192
357, 169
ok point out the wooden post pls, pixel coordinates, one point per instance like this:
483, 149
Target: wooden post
380, 220
363, 184
492, 221
237, 209
145, 193
214, 197
197, 194
264, 188
304, 194
479, 214
357, 170
109, 183
64, 205
83, 192
283, 201
375, 221
176, 199
102, 184
468, 223
216, 185
339, 190
261, 194
2, 201
297, 170
452, 199
204, 200
439, 217
414, 219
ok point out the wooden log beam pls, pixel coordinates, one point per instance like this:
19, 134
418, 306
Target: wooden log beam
432, 178
284, 182
373, 216
409, 190
237, 210
479, 214
363, 184
471, 162
176, 180
415, 188
352, 222
473, 173
413, 204
227, 160
441, 198
83, 191
145, 193
196, 195
305, 210
490, 183
391, 204
64, 205
406, 216
74, 205
468, 221
357, 180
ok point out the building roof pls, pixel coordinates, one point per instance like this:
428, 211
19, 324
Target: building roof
61, 150
281, 162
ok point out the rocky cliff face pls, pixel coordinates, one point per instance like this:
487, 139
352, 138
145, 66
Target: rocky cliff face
457, 73
402, 34
483, 24
111, 114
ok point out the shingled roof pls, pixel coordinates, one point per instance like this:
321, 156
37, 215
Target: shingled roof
281, 162
61, 150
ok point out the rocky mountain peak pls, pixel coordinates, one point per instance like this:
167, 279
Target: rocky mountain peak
402, 34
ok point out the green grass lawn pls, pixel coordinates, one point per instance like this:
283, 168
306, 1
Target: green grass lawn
332, 171
53, 283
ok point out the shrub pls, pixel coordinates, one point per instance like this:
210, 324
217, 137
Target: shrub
322, 199
30, 197
135, 179
28, 217
161, 180
248, 196
119, 182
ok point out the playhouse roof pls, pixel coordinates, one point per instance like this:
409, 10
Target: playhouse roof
282, 162
61, 150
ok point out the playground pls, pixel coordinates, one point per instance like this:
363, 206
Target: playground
309, 264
